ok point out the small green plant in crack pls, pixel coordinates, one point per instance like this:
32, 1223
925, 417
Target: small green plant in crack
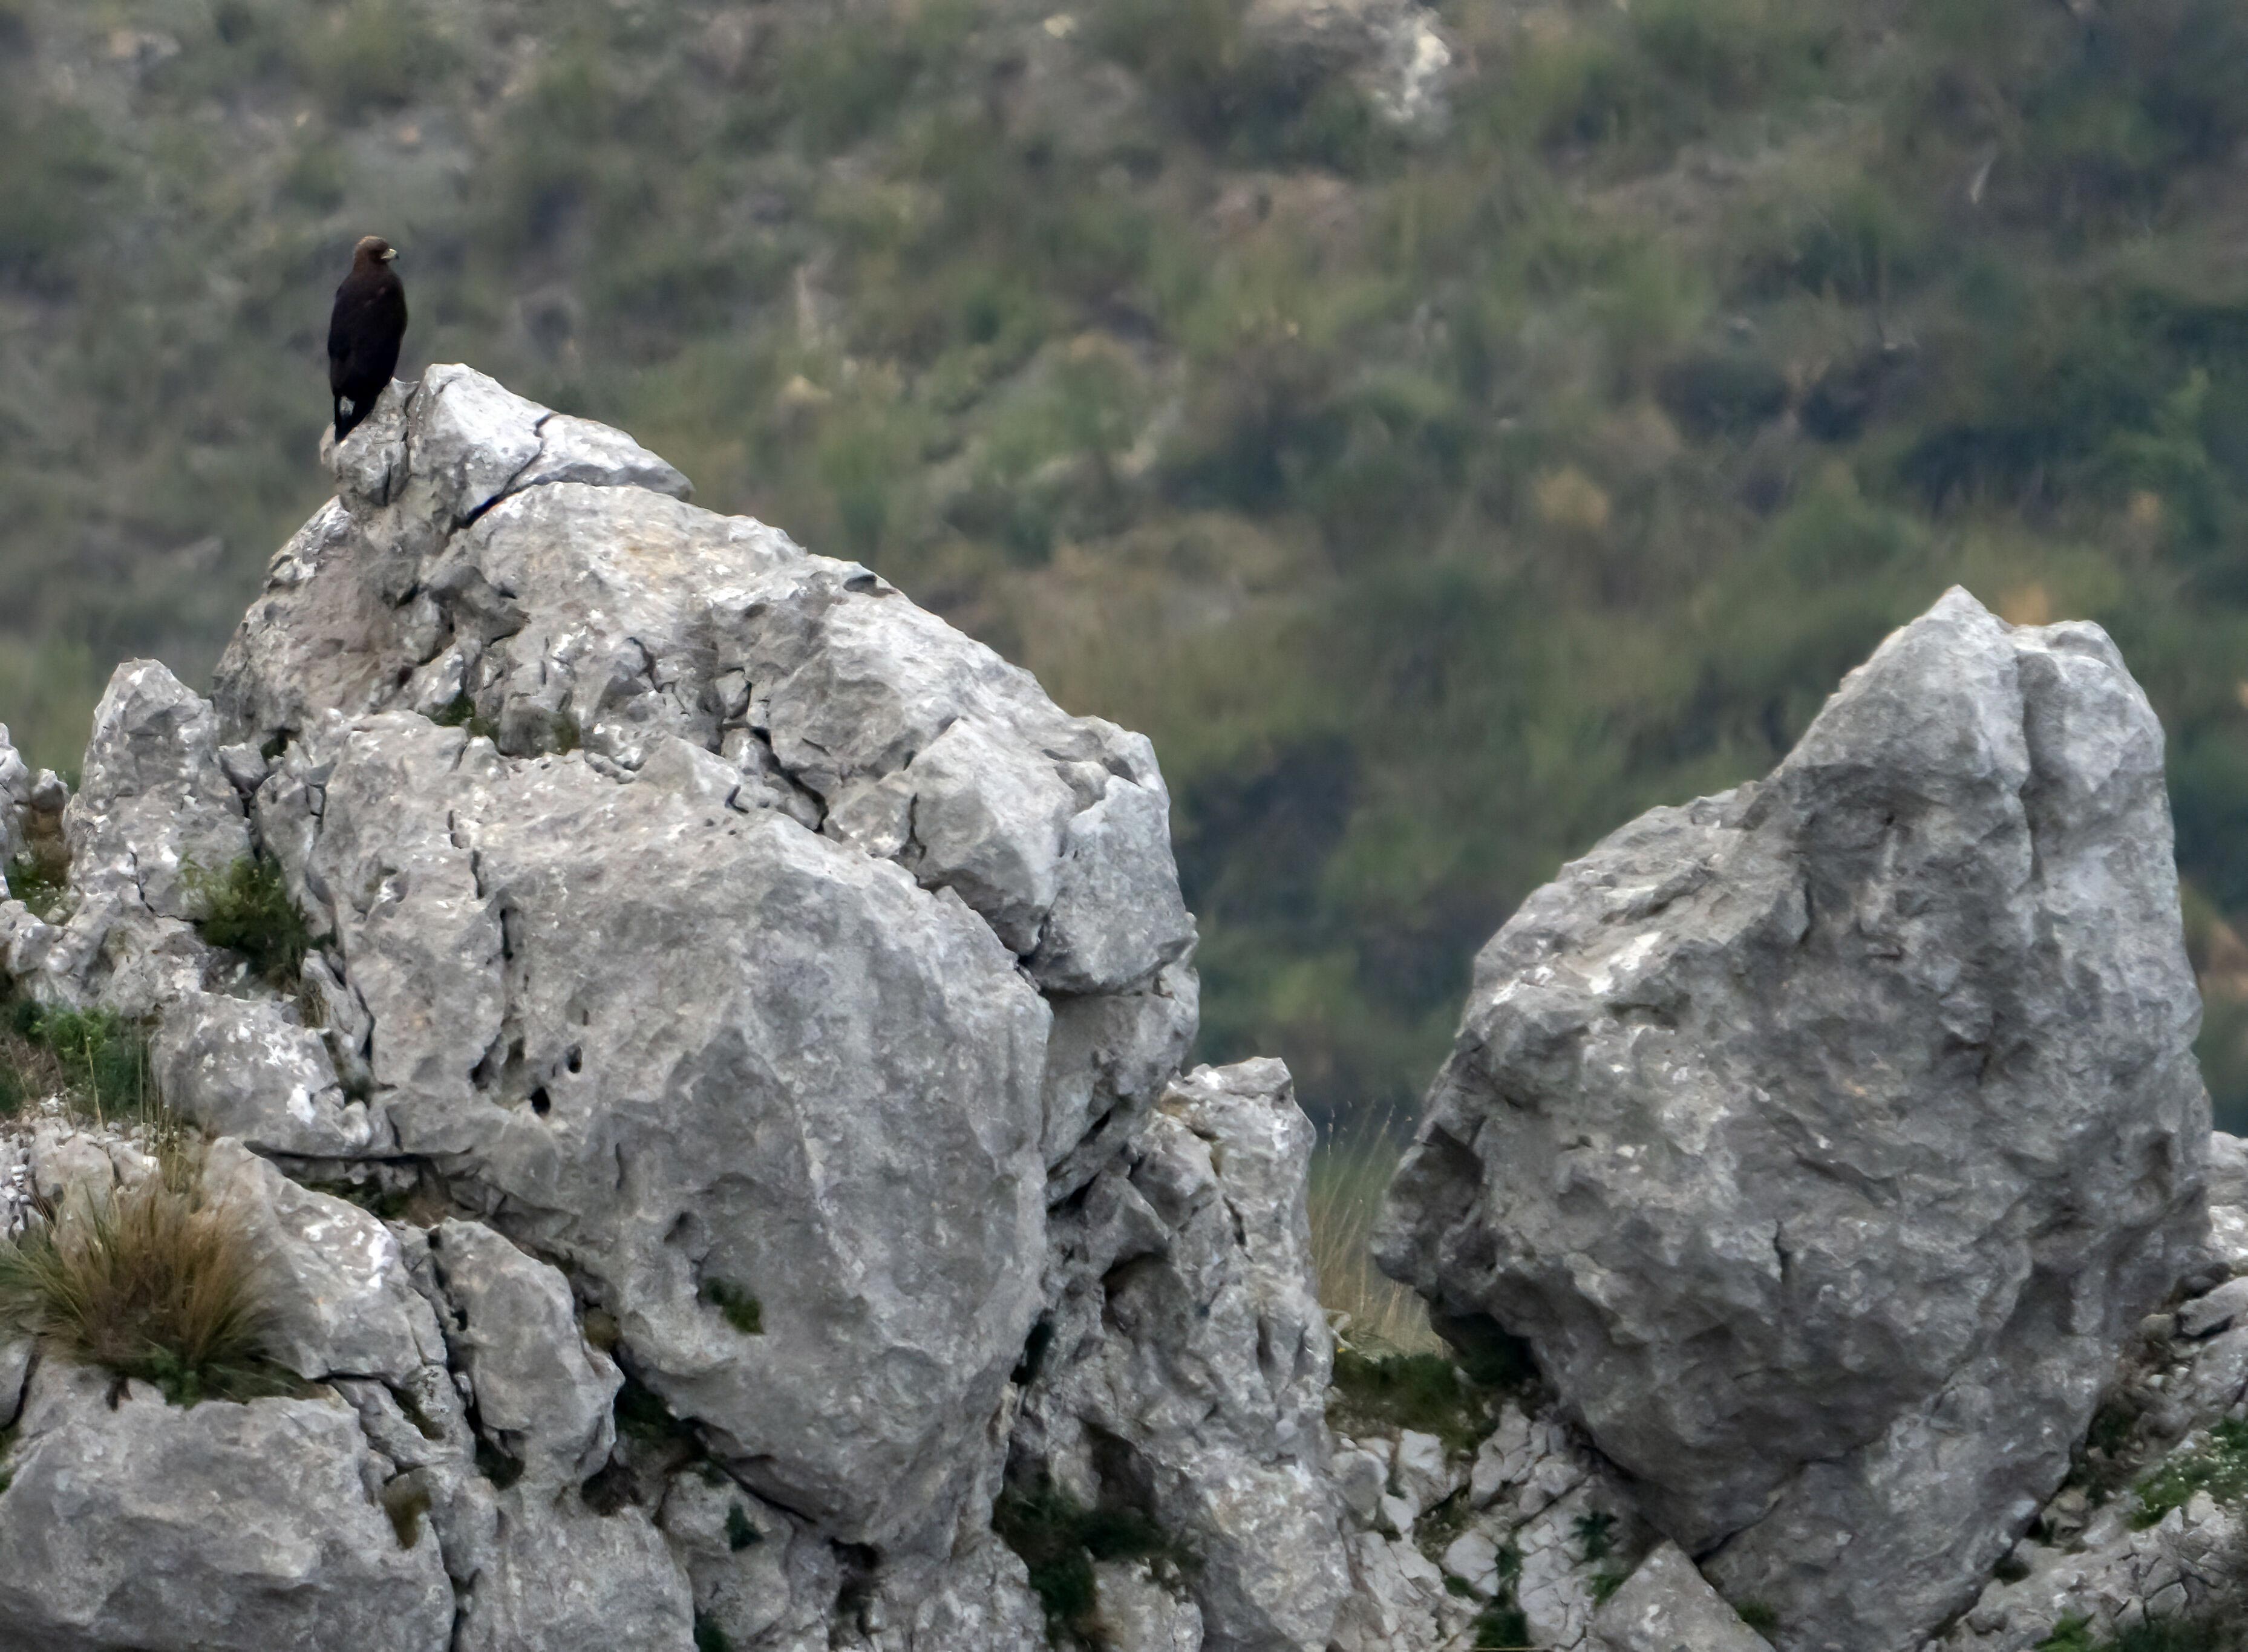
740, 1533
1759, 1615
2219, 1467
741, 1311
40, 878
1424, 1392
460, 713
1059, 1539
610, 1490
1595, 1535
501, 1468
1501, 1628
708, 1637
644, 1419
406, 1500
247, 908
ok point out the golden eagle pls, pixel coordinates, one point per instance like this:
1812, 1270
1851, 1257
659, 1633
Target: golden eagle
364, 332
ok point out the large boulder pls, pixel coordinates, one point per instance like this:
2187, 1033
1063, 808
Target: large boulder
1826, 1138
703, 909
730, 986
126, 1522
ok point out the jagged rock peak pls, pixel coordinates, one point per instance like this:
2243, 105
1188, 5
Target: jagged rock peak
1827, 1138
728, 966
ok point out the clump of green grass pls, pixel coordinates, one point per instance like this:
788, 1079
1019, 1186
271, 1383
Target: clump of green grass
1758, 1615
1424, 1392
708, 1637
152, 1282
740, 1533
1059, 1538
2219, 1467
1502, 1628
460, 713
96, 1062
1595, 1535
643, 1418
247, 908
2073, 1633
741, 1311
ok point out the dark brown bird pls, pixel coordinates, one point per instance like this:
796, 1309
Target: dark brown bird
364, 332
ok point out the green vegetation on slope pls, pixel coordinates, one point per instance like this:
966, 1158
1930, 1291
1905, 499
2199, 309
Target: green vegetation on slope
1435, 502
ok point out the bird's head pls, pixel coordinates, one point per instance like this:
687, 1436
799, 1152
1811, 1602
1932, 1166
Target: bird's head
372, 250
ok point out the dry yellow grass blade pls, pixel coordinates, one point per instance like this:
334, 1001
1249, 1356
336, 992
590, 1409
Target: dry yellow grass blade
148, 1281
1350, 1172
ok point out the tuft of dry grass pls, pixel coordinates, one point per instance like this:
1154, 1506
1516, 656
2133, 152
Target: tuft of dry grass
151, 1282
1372, 1313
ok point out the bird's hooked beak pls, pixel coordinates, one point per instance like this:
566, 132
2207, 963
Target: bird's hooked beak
390, 255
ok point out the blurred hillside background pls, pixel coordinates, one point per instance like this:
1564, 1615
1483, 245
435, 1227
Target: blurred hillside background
1446, 433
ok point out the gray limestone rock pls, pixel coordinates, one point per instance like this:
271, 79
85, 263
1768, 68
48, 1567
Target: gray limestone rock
14, 799
154, 801
1392, 50
1827, 1138
218, 1528
1187, 1370
246, 1068
15, 1353
562, 1578
1137, 1612
338, 1300
542, 1393
747, 1562
1666, 1606
697, 1056
745, 957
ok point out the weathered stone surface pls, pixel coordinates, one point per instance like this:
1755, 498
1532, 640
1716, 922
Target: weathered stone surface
699, 1054
542, 1393
615, 613
1826, 1137
221, 1528
1136, 1612
246, 1068
757, 1578
1666, 1606
14, 799
978, 1600
339, 1302
563, 1579
2099, 1564
750, 961
1187, 1371
154, 801
16, 1351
